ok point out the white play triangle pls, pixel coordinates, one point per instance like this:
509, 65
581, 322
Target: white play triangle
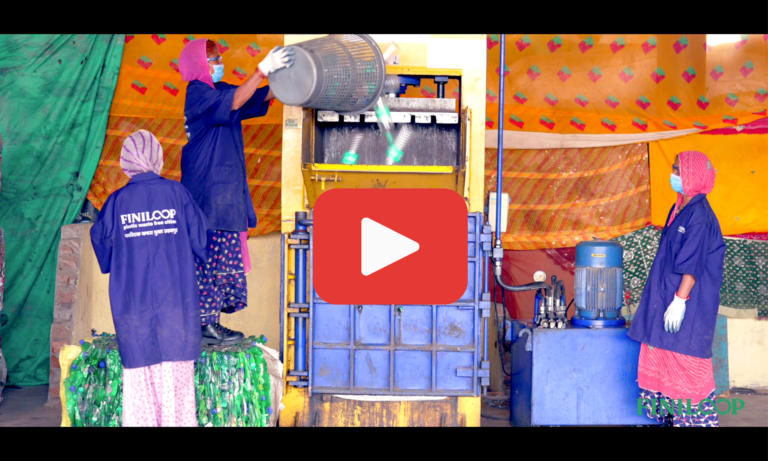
381, 246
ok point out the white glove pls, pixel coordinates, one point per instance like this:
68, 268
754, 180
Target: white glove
276, 59
673, 317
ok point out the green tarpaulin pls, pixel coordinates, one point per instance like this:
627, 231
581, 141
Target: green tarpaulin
55, 95
745, 281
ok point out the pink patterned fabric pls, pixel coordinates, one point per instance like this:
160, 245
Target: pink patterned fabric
676, 376
141, 153
757, 127
193, 62
244, 249
751, 236
698, 176
161, 395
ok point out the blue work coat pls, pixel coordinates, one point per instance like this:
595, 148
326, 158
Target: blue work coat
213, 160
692, 244
145, 238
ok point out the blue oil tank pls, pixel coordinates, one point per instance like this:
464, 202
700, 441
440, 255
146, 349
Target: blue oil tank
599, 284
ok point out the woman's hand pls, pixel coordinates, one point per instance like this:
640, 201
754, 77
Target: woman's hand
277, 58
673, 317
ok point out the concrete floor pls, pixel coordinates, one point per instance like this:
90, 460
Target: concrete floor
26, 408
754, 413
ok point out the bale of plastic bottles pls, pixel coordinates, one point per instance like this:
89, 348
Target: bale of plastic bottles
232, 387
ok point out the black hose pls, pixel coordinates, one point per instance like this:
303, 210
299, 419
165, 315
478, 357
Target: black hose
499, 328
529, 287
569, 305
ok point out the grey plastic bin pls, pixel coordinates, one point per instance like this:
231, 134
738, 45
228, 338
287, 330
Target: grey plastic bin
342, 73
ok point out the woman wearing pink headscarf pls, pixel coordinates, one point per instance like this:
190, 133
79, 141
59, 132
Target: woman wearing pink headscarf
213, 169
675, 321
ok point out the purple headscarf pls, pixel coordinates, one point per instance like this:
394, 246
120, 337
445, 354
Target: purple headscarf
141, 153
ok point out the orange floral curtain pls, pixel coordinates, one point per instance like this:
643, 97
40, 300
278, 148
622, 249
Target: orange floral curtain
626, 84
150, 95
560, 197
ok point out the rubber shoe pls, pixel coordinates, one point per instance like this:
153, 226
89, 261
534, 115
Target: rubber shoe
217, 335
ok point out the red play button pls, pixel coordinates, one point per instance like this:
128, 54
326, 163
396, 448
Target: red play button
390, 246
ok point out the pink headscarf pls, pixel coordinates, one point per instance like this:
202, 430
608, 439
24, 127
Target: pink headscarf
698, 176
141, 153
193, 62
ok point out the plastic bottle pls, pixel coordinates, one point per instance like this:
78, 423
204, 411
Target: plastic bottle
395, 152
351, 156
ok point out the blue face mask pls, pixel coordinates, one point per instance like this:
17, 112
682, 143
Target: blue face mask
677, 183
218, 72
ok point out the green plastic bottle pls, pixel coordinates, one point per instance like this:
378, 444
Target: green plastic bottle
351, 156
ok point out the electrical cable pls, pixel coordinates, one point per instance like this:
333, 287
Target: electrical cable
499, 328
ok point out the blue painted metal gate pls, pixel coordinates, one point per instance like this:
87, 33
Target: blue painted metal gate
402, 349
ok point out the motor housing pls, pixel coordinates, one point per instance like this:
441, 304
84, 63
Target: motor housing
599, 284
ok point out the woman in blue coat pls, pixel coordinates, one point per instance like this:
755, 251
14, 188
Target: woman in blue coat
213, 169
678, 309
146, 237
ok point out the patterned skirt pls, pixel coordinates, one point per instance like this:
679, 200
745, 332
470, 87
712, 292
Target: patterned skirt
678, 413
161, 395
666, 376
677, 376
221, 279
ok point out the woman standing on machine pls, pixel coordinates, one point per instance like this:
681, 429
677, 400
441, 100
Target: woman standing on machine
213, 169
676, 354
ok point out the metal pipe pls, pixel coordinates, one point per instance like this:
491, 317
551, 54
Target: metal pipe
283, 293
486, 272
500, 148
485, 346
301, 297
300, 344
305, 222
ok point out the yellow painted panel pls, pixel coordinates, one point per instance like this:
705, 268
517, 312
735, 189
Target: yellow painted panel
295, 401
470, 408
383, 168
423, 71
67, 355
318, 183
292, 189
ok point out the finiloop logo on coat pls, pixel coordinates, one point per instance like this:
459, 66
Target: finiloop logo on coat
145, 216
681, 229
149, 219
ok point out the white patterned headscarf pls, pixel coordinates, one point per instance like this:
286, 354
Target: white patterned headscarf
141, 153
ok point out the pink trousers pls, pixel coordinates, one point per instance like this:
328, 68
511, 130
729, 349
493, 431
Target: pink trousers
161, 395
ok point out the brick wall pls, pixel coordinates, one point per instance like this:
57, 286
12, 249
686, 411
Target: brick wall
69, 298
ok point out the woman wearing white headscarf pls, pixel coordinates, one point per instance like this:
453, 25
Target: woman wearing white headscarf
146, 237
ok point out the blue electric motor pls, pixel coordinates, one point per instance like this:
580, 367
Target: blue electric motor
599, 285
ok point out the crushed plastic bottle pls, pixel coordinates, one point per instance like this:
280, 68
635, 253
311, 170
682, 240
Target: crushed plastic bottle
232, 385
351, 156
395, 153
